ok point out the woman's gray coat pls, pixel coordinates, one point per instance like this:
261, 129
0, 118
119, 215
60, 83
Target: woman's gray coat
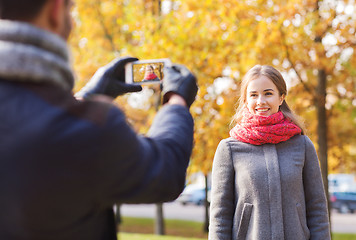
268, 192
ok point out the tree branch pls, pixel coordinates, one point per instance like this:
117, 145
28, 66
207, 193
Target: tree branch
305, 85
108, 36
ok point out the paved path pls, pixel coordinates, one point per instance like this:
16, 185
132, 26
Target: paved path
170, 211
341, 223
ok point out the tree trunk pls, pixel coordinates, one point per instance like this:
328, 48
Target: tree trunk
322, 130
206, 205
159, 223
117, 217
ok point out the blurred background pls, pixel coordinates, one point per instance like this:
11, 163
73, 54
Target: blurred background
312, 42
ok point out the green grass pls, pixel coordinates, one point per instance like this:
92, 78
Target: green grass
179, 228
343, 236
143, 229
136, 236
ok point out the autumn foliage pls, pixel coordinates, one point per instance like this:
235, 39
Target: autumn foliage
219, 40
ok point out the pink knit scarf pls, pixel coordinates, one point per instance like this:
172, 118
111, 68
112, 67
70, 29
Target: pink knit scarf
258, 130
150, 76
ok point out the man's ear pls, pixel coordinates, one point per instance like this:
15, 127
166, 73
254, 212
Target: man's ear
56, 8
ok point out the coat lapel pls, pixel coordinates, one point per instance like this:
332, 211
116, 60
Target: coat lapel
275, 195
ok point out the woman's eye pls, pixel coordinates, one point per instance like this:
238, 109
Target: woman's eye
253, 95
269, 93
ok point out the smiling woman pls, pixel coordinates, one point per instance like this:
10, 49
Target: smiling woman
266, 180
274, 85
263, 97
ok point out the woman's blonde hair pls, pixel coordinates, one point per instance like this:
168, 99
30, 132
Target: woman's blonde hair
150, 66
276, 77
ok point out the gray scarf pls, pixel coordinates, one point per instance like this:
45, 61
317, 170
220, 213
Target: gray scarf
30, 54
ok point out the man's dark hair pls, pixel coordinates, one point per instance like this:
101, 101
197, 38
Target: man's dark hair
22, 10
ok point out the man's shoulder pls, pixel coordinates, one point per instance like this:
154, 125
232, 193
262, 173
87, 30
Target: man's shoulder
94, 111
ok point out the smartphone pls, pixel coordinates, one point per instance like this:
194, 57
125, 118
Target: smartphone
146, 71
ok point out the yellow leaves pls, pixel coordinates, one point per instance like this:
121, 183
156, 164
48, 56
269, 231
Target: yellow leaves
340, 159
208, 37
109, 8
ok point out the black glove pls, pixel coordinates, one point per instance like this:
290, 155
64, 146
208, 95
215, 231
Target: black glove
110, 80
180, 80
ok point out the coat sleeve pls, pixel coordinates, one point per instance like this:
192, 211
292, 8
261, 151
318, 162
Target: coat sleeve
222, 194
145, 169
315, 199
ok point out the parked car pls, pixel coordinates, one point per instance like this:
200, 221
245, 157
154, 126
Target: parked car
193, 194
341, 182
344, 202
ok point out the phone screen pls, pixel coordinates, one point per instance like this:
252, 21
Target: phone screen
146, 71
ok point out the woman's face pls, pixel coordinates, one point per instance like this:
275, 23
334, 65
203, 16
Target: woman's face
149, 69
262, 97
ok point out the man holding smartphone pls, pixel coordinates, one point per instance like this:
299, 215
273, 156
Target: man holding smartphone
65, 162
